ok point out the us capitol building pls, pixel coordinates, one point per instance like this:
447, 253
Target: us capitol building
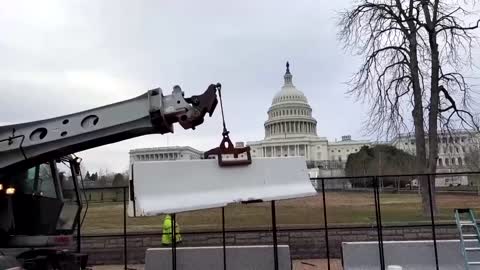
291, 130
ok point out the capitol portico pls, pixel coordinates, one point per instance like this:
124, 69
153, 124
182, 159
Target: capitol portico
291, 130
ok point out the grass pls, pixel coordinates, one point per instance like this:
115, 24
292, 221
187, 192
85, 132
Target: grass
343, 208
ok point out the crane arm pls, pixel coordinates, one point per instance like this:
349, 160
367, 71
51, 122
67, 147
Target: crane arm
27, 144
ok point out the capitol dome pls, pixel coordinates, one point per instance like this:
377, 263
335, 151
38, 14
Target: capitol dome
290, 115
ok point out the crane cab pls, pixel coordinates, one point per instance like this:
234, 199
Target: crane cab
40, 208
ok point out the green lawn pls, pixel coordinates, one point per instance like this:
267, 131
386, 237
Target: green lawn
343, 208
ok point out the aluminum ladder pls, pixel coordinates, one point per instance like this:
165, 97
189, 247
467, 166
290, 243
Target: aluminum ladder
468, 223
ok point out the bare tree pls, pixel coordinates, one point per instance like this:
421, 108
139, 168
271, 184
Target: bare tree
415, 52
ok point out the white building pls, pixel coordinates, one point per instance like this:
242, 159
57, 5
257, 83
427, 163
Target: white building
291, 130
452, 147
165, 153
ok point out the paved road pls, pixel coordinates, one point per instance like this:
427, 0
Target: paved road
297, 265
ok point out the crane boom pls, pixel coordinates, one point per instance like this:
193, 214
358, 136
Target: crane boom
27, 144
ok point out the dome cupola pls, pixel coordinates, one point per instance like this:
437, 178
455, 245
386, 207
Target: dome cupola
290, 114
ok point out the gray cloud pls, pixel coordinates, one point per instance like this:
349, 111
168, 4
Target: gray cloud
60, 57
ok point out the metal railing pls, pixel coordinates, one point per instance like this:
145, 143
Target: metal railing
373, 186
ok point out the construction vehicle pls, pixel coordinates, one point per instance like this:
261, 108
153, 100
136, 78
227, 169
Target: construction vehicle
37, 209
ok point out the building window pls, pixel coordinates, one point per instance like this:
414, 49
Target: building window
462, 139
340, 159
348, 150
456, 149
356, 150
440, 163
332, 151
460, 162
446, 162
463, 148
338, 151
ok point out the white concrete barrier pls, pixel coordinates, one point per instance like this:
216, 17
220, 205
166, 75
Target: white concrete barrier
211, 258
407, 254
162, 187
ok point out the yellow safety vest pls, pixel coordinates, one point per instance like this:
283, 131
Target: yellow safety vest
167, 231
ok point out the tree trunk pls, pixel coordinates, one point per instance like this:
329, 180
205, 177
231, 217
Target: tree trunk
418, 117
434, 102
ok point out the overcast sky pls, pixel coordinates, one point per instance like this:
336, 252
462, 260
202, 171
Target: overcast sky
60, 57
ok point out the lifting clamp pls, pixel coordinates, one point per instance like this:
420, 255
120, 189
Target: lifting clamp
227, 147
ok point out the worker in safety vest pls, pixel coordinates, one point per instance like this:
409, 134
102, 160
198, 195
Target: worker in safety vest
167, 231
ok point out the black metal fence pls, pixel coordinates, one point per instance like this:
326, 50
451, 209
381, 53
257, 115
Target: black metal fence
380, 193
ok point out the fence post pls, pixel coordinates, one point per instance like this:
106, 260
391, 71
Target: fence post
432, 219
224, 241
125, 260
274, 233
378, 217
174, 241
325, 223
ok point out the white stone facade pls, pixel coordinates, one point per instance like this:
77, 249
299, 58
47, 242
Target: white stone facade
452, 148
290, 130
165, 153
